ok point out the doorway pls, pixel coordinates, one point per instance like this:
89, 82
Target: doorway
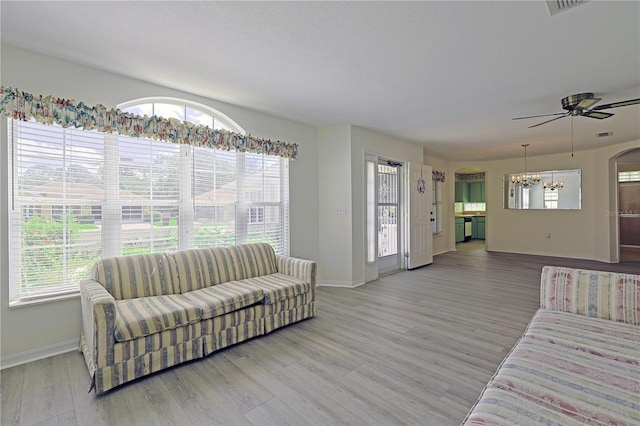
470, 209
629, 206
383, 207
388, 213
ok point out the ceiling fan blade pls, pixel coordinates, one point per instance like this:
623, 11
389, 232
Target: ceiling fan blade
596, 114
617, 104
587, 103
549, 121
543, 115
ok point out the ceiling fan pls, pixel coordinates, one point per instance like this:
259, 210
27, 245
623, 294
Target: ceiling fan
582, 104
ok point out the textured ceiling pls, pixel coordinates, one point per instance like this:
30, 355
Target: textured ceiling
448, 75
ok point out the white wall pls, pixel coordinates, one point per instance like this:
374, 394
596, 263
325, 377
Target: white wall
32, 331
334, 183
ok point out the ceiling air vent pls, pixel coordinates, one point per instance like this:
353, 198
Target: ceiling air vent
557, 6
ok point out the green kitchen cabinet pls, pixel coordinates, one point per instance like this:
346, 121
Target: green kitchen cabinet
478, 228
459, 229
462, 192
476, 192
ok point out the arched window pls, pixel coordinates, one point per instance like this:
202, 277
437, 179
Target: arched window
182, 110
78, 196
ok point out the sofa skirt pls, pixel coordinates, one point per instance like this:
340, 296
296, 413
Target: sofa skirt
106, 378
147, 355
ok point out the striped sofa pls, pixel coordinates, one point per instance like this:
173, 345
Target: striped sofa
579, 360
144, 313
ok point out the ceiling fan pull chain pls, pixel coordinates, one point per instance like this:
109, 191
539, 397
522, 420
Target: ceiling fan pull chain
571, 136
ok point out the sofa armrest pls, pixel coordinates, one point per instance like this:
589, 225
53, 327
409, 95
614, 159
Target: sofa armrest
98, 322
607, 295
301, 269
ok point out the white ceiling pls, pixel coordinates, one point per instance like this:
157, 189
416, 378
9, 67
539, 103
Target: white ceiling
449, 75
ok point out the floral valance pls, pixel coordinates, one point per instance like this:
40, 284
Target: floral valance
69, 113
437, 176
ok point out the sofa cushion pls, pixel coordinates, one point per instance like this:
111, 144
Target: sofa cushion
253, 260
228, 297
277, 287
199, 268
575, 369
598, 294
148, 315
602, 338
128, 277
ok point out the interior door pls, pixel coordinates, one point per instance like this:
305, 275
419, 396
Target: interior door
419, 199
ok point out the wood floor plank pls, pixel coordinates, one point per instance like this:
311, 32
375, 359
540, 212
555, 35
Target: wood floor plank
149, 402
202, 401
415, 347
11, 384
239, 388
46, 391
108, 409
64, 419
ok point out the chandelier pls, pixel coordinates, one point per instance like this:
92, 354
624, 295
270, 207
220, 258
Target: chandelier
553, 185
525, 179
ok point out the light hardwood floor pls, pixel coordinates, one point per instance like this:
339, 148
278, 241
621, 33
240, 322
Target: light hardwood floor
415, 347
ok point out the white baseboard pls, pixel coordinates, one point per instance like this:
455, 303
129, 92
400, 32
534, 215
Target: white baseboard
344, 284
38, 353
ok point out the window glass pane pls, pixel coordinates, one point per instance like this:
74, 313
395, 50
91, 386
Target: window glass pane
215, 187
196, 116
140, 109
630, 176
387, 184
54, 236
149, 193
166, 110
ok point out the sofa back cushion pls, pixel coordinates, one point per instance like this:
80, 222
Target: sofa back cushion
253, 260
200, 268
130, 277
607, 295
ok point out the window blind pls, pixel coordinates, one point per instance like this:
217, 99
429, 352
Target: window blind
58, 187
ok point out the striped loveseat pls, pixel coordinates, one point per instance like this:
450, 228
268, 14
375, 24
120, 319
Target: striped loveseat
144, 313
579, 360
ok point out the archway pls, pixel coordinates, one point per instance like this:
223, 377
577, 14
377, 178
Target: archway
628, 205
470, 208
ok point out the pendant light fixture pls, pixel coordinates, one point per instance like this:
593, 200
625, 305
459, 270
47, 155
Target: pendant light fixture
525, 179
553, 185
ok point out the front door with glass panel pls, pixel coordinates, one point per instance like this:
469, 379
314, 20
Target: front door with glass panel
388, 215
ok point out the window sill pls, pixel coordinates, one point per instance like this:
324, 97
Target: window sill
44, 299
